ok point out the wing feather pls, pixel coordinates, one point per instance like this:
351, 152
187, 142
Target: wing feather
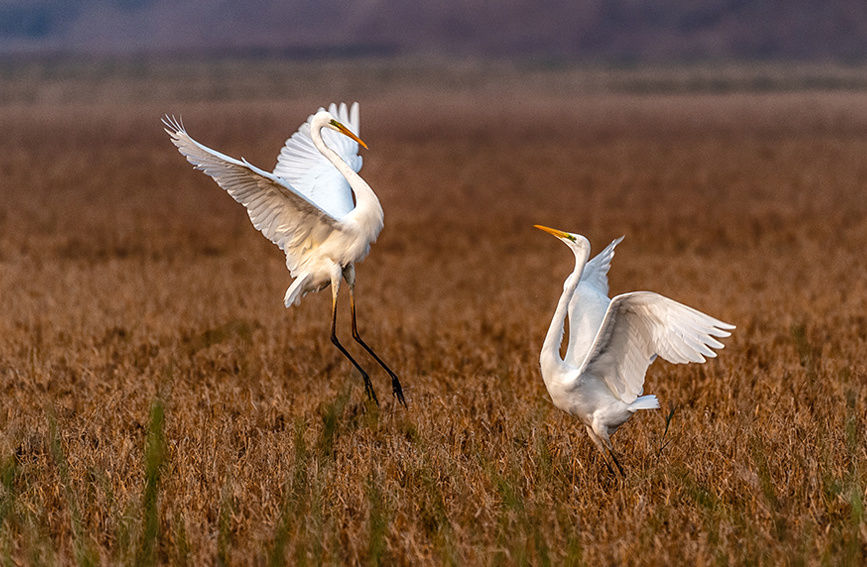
310, 172
588, 305
596, 270
285, 216
640, 325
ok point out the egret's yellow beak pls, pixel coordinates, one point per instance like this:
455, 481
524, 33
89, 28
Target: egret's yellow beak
347, 132
555, 232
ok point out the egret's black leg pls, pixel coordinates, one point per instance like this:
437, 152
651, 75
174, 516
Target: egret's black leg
396, 390
608, 466
368, 387
616, 462
604, 447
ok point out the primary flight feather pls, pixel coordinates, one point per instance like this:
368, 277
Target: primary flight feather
314, 206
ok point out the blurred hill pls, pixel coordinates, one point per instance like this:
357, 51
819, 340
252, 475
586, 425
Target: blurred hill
615, 30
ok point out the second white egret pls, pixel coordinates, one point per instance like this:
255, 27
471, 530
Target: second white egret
613, 341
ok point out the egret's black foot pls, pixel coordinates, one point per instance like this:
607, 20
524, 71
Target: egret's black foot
368, 388
397, 391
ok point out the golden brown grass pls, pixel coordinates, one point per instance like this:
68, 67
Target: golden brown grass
161, 406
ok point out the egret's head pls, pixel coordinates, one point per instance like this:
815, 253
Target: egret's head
333, 124
573, 241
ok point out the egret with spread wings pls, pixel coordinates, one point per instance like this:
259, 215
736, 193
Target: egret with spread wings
613, 341
305, 207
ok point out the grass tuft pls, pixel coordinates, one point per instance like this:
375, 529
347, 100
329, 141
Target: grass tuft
377, 524
331, 413
9, 473
574, 552
292, 510
154, 460
182, 546
855, 539
84, 553
224, 525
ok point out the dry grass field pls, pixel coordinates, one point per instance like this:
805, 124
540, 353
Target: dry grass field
160, 406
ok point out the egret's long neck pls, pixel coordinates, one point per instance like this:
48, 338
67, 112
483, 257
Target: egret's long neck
550, 358
367, 211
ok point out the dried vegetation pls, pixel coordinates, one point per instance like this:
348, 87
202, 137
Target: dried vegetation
159, 405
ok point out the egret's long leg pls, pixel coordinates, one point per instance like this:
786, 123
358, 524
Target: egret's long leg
607, 442
396, 390
368, 387
608, 465
616, 462
602, 449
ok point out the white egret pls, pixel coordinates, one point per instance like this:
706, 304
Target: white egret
613, 341
305, 207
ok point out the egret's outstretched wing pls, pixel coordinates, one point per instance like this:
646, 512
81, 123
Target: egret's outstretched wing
596, 271
642, 324
287, 218
310, 172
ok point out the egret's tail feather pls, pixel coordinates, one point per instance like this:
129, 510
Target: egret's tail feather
644, 402
296, 291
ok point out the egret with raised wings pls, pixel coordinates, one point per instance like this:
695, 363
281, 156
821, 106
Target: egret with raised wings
305, 207
613, 341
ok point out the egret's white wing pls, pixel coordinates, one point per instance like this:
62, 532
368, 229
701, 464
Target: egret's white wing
287, 218
587, 309
310, 172
642, 324
588, 305
596, 271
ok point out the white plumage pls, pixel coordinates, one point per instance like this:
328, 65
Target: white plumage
304, 167
306, 206
612, 342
